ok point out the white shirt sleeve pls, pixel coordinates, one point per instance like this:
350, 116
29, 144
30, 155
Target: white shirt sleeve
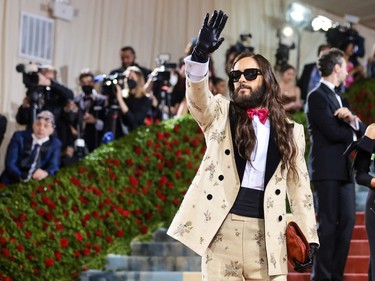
196, 71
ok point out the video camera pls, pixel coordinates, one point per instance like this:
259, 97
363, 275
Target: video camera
339, 35
109, 83
30, 79
165, 68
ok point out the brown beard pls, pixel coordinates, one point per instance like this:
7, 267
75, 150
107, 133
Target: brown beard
255, 99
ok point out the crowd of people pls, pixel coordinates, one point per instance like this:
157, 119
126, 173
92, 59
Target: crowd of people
257, 159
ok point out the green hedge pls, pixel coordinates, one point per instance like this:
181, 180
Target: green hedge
54, 229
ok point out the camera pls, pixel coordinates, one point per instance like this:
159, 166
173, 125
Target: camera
109, 83
30, 79
165, 68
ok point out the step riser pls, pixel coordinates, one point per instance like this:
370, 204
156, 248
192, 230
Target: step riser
359, 248
135, 263
165, 249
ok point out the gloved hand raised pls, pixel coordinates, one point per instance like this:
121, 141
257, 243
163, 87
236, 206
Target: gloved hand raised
209, 37
302, 267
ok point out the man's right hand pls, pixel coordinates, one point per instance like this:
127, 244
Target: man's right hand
209, 39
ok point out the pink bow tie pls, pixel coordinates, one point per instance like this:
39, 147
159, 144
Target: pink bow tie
262, 114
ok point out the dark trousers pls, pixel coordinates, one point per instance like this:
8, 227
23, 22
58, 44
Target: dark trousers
336, 219
370, 229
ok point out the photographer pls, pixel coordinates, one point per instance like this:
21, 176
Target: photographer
44, 93
132, 100
166, 87
91, 112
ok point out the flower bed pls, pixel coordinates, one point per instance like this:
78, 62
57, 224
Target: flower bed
54, 229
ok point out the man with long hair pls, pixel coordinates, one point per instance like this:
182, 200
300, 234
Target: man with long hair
234, 213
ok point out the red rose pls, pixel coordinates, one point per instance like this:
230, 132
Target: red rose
97, 248
119, 233
20, 248
5, 252
144, 229
58, 255
49, 262
176, 128
108, 239
98, 232
81, 170
133, 181
137, 150
27, 234
78, 236
86, 252
3, 240
64, 243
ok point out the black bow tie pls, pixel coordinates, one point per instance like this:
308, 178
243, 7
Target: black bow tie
338, 90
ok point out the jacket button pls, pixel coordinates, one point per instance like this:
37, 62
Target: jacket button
221, 177
209, 196
277, 191
280, 218
227, 151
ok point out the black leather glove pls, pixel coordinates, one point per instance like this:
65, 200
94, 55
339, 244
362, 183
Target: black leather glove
209, 37
302, 267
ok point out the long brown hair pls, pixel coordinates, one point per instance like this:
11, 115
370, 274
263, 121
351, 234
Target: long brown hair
245, 136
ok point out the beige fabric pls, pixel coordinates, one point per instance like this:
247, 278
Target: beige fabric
215, 186
237, 252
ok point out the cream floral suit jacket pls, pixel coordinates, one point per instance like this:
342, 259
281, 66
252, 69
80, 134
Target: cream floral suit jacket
216, 184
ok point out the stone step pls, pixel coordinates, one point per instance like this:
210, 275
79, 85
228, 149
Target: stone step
359, 232
152, 263
161, 235
160, 249
347, 277
360, 218
145, 276
359, 248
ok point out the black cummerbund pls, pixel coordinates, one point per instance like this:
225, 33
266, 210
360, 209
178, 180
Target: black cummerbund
249, 203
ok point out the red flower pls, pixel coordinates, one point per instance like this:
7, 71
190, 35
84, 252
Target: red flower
137, 150
5, 252
78, 236
27, 234
64, 242
75, 181
63, 199
162, 181
97, 248
81, 170
86, 252
58, 255
133, 181
144, 229
108, 239
176, 128
98, 232
177, 174
3, 240
20, 248
49, 262
120, 233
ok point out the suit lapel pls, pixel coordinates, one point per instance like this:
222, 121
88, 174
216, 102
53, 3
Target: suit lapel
331, 96
273, 157
240, 162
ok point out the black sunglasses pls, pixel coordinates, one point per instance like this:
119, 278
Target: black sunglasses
250, 74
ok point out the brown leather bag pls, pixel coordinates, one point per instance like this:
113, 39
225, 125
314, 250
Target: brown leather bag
297, 246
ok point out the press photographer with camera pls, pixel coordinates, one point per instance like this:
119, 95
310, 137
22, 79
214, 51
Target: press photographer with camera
44, 92
133, 102
166, 87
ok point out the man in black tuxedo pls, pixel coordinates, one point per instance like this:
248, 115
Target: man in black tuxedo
332, 128
310, 75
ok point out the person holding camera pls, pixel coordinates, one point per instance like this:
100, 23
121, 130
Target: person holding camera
133, 102
166, 88
52, 97
234, 212
91, 112
33, 154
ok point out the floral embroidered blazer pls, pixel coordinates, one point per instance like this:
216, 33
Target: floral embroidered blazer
216, 184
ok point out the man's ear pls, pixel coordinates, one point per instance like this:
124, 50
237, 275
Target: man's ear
337, 68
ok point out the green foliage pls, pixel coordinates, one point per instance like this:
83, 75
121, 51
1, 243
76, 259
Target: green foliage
361, 96
54, 229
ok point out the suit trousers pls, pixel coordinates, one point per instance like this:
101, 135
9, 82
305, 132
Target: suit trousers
370, 229
336, 219
238, 252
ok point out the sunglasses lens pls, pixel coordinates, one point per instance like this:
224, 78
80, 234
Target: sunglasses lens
251, 74
235, 75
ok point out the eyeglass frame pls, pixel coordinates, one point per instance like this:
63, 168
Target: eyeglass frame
254, 72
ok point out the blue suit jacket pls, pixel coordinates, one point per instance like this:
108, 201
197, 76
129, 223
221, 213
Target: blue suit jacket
18, 154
